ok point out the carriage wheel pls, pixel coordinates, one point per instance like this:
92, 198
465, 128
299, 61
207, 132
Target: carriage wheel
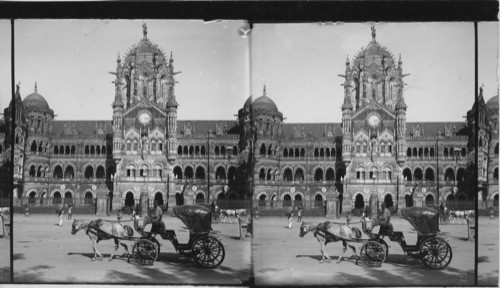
381, 241
436, 253
145, 252
157, 244
373, 254
208, 252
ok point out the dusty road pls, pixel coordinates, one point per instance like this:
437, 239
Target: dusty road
45, 252
4, 259
488, 252
280, 256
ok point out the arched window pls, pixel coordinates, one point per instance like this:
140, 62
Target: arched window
32, 171
231, 173
269, 173
202, 150
56, 150
464, 152
418, 175
318, 175
185, 150
263, 149
496, 149
178, 172
285, 152
321, 152
316, 152
68, 198
216, 151
318, 200
431, 152
449, 175
197, 150
191, 150
73, 149
57, 198
188, 172
298, 200
67, 151
297, 152
429, 199
220, 174
299, 175
407, 174
330, 175
262, 174
420, 152
426, 152
200, 173
327, 152
89, 172
495, 174
445, 152
429, 174
414, 152
99, 174
262, 200
302, 152
200, 198
33, 146
287, 175
58, 173
179, 150
40, 149
92, 150
88, 198
460, 175
69, 173
359, 202
408, 152
388, 201
129, 199
287, 201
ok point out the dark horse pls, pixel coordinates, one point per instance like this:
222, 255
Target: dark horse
329, 232
98, 230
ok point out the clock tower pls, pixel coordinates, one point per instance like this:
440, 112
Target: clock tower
144, 125
373, 125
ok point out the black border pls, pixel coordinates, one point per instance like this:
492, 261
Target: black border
262, 11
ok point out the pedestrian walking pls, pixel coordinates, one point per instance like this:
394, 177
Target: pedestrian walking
26, 210
299, 215
290, 216
60, 213
70, 211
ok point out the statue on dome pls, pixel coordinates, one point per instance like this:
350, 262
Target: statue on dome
144, 30
374, 33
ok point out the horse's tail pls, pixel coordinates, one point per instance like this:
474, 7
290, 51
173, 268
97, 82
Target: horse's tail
356, 232
129, 230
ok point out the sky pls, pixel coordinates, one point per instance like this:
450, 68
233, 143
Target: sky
5, 65
298, 63
71, 59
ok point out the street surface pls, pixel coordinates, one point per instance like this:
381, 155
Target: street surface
487, 260
281, 257
45, 252
4, 259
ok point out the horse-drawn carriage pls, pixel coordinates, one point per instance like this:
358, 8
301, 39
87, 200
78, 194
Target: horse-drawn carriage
206, 250
433, 251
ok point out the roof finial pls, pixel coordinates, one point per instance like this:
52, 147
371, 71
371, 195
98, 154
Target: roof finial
145, 30
347, 60
171, 57
264, 90
481, 89
374, 33
400, 61
118, 58
18, 86
36, 87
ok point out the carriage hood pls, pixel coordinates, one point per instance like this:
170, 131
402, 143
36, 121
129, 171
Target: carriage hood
423, 219
198, 219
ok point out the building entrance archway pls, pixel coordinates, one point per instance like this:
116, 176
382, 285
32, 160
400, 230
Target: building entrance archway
129, 199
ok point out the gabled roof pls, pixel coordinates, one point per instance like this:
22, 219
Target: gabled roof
83, 127
430, 129
143, 104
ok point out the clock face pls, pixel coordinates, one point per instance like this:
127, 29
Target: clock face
373, 120
144, 118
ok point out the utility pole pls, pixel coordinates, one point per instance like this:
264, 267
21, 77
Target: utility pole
208, 166
437, 166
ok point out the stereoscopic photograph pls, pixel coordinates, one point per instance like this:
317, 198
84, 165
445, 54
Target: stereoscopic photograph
245, 154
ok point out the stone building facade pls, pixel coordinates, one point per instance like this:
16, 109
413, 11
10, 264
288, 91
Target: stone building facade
146, 153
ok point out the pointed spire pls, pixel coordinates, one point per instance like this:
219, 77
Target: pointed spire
145, 30
171, 60
347, 63
374, 34
400, 62
36, 87
118, 59
264, 90
18, 87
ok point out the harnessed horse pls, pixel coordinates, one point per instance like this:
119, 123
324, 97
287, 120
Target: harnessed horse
98, 230
326, 232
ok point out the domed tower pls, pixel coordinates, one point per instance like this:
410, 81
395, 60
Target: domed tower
20, 132
373, 123
144, 122
39, 119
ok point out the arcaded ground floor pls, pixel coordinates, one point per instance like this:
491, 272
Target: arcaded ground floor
45, 252
281, 257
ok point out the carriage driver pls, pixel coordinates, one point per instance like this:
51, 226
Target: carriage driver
383, 220
156, 217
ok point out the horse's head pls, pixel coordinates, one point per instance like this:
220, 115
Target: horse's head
304, 228
76, 226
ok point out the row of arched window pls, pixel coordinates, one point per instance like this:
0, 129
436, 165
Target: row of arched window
319, 174
200, 174
70, 149
429, 175
424, 152
37, 172
287, 200
373, 173
41, 147
365, 147
201, 150
153, 145
94, 150
69, 172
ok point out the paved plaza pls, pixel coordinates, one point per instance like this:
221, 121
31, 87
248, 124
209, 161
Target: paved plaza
45, 252
488, 252
281, 257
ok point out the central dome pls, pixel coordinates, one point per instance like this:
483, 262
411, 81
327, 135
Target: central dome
36, 100
492, 104
265, 103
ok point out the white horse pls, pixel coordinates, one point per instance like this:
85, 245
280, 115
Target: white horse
329, 232
98, 230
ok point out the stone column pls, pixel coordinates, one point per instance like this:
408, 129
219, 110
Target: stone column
102, 201
374, 204
144, 200
332, 203
418, 198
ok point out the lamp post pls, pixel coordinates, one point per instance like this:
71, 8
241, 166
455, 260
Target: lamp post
229, 152
437, 166
208, 166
